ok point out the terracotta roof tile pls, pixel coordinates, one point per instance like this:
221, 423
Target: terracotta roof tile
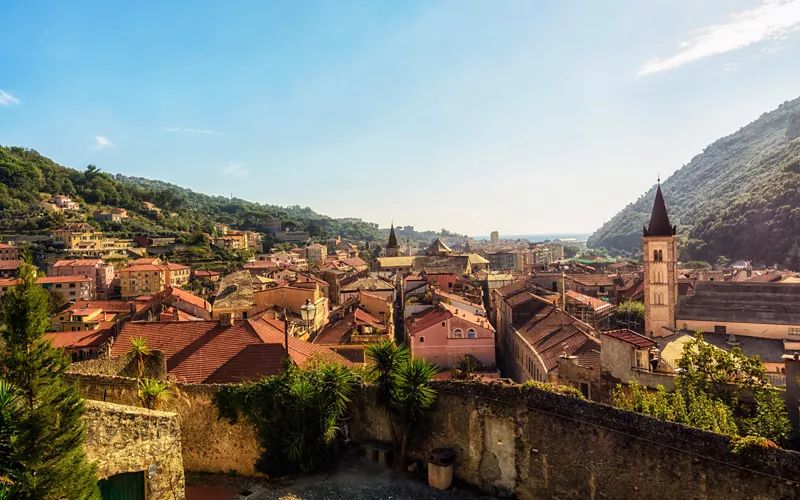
552, 332
631, 338
82, 338
6, 265
596, 304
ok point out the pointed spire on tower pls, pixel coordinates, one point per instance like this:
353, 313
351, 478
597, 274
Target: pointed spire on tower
659, 219
392, 238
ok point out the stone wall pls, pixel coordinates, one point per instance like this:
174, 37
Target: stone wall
125, 439
209, 444
155, 366
536, 444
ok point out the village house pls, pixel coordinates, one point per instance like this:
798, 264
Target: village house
316, 253
231, 241
9, 268
373, 283
202, 274
71, 288
145, 279
74, 318
359, 323
9, 252
78, 235
100, 274
593, 285
83, 344
100, 216
539, 334
444, 335
292, 299
65, 203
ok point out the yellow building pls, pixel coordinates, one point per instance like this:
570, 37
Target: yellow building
78, 235
292, 299
142, 280
231, 241
79, 318
178, 274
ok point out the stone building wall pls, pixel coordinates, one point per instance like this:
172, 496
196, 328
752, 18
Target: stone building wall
536, 444
124, 439
209, 444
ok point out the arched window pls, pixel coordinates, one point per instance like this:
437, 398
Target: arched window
458, 333
660, 255
655, 255
471, 334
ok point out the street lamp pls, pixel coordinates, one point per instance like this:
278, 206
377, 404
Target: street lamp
308, 311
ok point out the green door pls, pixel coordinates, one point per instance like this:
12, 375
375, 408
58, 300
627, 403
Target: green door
128, 486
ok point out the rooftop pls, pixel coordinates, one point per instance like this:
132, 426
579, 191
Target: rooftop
630, 337
745, 302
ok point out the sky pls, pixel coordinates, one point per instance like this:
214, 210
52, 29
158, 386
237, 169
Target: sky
525, 117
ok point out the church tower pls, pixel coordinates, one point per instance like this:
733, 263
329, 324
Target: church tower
392, 249
660, 271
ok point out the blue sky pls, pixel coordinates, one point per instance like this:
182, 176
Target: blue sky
517, 116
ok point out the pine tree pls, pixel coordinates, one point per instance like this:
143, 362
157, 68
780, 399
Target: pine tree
50, 432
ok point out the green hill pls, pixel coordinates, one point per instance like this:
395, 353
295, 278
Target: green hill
739, 198
27, 179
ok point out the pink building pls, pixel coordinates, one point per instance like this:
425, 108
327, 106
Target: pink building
100, 274
445, 334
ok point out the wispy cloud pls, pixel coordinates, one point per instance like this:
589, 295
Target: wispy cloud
771, 20
102, 142
7, 99
196, 131
237, 170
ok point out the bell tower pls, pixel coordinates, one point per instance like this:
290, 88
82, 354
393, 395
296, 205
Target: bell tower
660, 248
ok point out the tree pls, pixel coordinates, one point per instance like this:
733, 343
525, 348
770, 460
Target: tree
697, 264
707, 393
152, 392
403, 391
139, 349
50, 431
296, 414
412, 398
9, 466
722, 261
464, 369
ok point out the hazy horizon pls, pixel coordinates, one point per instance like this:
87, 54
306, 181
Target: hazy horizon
518, 114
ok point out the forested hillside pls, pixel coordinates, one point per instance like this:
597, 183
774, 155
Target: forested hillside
738, 198
27, 179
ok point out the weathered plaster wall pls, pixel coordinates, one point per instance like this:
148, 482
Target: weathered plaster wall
536, 444
127, 439
209, 444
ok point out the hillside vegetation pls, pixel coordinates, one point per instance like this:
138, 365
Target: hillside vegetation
738, 198
27, 179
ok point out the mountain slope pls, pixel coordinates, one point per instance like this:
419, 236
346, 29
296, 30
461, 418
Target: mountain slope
28, 178
724, 199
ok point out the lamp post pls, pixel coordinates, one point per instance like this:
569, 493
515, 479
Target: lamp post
308, 311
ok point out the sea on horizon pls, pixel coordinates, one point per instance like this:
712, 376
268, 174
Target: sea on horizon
538, 237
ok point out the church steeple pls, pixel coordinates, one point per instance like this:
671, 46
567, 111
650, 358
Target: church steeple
392, 238
659, 219
392, 248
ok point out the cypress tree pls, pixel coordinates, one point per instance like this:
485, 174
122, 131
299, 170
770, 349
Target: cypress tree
49, 435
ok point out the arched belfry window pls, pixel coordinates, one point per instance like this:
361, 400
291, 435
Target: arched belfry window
655, 255
660, 256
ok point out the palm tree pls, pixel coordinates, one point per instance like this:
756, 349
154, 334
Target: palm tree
386, 357
152, 391
140, 349
413, 396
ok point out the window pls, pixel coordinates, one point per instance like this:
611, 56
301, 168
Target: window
655, 255
602, 289
720, 329
458, 333
244, 314
422, 340
471, 334
283, 295
585, 390
555, 286
793, 330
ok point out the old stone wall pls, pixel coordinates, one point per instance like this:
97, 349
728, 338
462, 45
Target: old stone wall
155, 366
537, 444
209, 444
124, 439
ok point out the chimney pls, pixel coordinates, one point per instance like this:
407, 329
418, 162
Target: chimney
175, 315
227, 319
571, 359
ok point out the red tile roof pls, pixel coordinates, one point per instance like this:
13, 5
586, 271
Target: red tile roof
82, 339
9, 281
62, 279
270, 330
143, 267
596, 304
426, 319
188, 297
6, 265
78, 262
4, 246
366, 318
116, 306
631, 337
169, 315
355, 262
552, 332
201, 272
592, 279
